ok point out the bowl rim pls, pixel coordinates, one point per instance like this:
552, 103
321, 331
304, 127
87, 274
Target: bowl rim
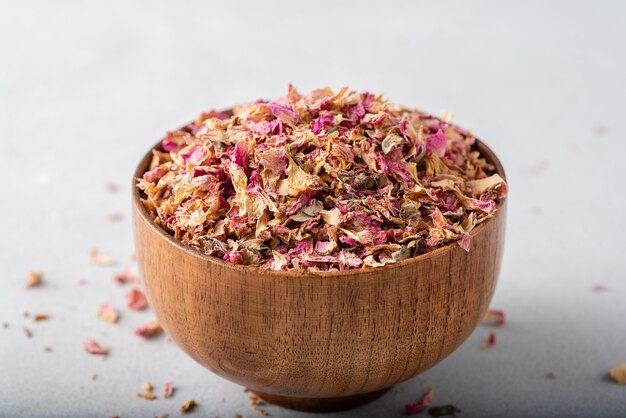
140, 210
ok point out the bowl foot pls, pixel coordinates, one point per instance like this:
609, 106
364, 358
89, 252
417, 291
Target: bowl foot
321, 404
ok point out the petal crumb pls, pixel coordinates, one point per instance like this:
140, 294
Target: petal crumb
490, 342
421, 405
147, 386
618, 374
107, 313
147, 395
28, 332
148, 330
135, 299
551, 374
47, 349
168, 391
115, 217
33, 279
92, 347
598, 287
40, 317
125, 276
100, 259
187, 406
111, 187
494, 317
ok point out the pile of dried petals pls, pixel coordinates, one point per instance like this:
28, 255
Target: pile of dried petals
320, 181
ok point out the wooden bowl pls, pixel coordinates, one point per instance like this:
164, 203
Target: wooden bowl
319, 341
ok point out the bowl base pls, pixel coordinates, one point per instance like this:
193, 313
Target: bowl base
321, 404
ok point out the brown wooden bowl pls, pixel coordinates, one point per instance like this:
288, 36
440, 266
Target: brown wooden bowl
319, 341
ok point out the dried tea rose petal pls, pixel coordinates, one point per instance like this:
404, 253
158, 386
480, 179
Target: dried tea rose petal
28, 332
135, 299
100, 259
494, 317
187, 406
444, 410
125, 276
168, 391
147, 395
618, 374
421, 405
107, 313
33, 279
322, 181
148, 330
92, 347
490, 342
41, 317
115, 217
598, 287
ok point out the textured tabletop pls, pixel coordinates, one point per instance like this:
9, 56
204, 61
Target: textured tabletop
87, 87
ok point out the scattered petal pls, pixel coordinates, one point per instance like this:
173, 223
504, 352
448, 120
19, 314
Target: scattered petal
148, 330
100, 259
490, 342
551, 374
598, 287
169, 389
41, 317
28, 332
187, 406
135, 299
115, 217
107, 313
618, 374
126, 276
92, 347
33, 279
422, 404
494, 317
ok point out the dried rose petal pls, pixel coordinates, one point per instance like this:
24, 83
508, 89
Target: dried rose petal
494, 317
135, 299
169, 389
598, 287
323, 181
148, 330
100, 259
33, 279
92, 347
147, 395
187, 406
111, 187
107, 313
147, 386
115, 217
28, 332
422, 404
490, 342
126, 276
551, 374
618, 374
41, 317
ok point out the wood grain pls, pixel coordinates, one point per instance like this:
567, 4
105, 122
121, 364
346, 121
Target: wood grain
318, 335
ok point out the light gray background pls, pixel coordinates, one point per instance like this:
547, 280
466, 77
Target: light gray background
87, 87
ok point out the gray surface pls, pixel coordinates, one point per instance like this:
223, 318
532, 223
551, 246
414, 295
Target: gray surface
86, 88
